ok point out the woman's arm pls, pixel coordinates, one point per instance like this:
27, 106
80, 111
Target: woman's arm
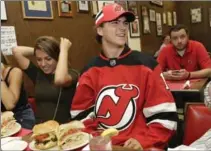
62, 76
10, 94
20, 53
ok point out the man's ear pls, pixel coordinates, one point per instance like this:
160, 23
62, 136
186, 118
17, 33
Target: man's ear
100, 31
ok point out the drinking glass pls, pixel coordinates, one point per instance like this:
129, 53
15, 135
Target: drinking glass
98, 142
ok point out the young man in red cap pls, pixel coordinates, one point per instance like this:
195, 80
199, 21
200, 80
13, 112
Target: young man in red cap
184, 59
124, 89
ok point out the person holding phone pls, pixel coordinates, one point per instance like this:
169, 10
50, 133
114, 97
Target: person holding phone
184, 59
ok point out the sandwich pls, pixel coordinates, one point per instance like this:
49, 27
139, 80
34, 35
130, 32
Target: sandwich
71, 134
44, 135
8, 122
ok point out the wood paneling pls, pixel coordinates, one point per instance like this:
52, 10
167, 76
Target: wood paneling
198, 31
150, 43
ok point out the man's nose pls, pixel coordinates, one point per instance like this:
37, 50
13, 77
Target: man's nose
179, 40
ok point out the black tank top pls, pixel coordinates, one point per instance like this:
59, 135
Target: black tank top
22, 102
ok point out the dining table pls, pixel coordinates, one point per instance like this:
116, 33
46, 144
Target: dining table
26, 136
187, 90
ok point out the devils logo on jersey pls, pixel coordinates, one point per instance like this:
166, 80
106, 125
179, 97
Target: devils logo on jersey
116, 106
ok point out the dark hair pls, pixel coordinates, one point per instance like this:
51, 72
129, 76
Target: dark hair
98, 37
164, 36
49, 45
177, 28
3, 60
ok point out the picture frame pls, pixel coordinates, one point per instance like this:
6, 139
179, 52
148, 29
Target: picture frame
83, 6
164, 18
134, 29
123, 4
152, 15
103, 3
65, 8
196, 15
169, 18
94, 8
210, 17
132, 6
157, 2
174, 18
159, 24
145, 20
37, 9
3, 11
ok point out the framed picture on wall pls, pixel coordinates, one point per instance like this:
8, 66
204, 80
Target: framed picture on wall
174, 18
169, 18
103, 3
164, 18
3, 11
37, 9
132, 6
65, 8
152, 15
157, 2
145, 20
122, 3
196, 15
94, 8
83, 6
210, 16
159, 24
135, 29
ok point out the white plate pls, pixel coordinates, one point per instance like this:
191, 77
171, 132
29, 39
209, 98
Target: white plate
32, 147
87, 137
15, 145
13, 131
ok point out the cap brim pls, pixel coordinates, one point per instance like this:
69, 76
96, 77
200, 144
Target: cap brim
130, 17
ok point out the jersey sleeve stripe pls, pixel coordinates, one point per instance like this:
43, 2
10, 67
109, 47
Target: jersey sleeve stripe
171, 125
81, 114
164, 107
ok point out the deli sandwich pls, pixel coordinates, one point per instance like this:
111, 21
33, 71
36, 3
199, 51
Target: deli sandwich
70, 135
44, 134
8, 122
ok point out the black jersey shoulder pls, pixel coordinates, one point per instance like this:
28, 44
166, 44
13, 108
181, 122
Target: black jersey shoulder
140, 58
134, 58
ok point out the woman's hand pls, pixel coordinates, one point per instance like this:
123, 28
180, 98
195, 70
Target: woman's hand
65, 44
133, 144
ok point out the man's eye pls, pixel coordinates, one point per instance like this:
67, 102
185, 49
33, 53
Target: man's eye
114, 22
126, 23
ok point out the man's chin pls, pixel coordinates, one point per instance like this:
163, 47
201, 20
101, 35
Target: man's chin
180, 48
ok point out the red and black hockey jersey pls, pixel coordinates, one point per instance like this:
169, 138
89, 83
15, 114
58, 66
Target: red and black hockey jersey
127, 93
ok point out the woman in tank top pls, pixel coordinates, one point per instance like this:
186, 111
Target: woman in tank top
13, 95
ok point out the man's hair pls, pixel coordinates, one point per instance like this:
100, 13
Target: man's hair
177, 28
49, 45
164, 36
98, 37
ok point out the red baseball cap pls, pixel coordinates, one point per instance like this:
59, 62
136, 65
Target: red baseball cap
111, 12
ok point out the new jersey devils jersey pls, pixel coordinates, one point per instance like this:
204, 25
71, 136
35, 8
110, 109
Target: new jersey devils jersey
128, 93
